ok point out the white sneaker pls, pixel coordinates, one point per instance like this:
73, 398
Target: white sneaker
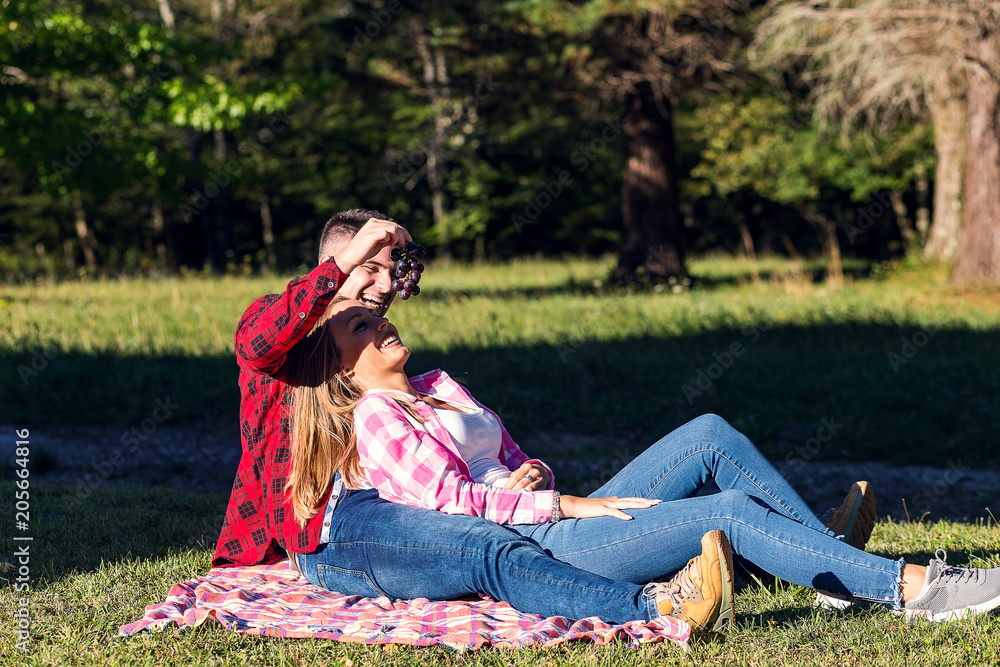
832, 602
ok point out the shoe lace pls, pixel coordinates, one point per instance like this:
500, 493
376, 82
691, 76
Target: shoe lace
951, 573
679, 589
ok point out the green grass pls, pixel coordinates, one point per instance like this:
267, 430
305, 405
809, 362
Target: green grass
96, 565
554, 352
553, 348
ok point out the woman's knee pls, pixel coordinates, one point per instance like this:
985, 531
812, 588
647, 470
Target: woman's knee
712, 423
708, 430
718, 434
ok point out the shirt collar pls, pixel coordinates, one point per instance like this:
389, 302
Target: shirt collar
424, 383
395, 392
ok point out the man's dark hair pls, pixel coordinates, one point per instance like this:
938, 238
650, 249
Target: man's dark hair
341, 228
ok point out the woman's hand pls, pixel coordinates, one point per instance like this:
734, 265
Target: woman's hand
574, 507
519, 479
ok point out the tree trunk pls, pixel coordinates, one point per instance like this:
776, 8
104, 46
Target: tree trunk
267, 227
84, 234
651, 227
480, 248
748, 248
826, 229
948, 117
221, 220
167, 16
906, 231
978, 255
923, 222
68, 256
192, 142
159, 231
216, 218
439, 90
797, 263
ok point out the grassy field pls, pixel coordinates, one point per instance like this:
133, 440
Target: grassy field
903, 363
555, 350
94, 568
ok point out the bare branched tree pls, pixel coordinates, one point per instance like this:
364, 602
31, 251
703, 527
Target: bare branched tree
875, 60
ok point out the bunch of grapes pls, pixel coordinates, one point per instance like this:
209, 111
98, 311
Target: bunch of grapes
408, 270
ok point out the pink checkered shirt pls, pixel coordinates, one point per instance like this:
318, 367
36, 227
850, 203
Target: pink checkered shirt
420, 465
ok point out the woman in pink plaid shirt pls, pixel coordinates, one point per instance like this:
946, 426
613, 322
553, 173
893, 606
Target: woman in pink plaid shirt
426, 442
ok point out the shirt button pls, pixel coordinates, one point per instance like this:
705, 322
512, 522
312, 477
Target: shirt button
331, 285
327, 524
302, 316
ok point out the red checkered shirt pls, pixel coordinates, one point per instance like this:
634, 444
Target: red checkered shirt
260, 526
420, 464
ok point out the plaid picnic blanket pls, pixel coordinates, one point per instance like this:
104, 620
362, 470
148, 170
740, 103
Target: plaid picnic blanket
275, 600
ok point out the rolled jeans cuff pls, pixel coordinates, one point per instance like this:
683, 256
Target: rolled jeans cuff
897, 602
652, 611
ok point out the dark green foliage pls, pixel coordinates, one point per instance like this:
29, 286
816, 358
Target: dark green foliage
177, 145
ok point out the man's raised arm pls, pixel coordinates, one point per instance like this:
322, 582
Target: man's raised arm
275, 323
272, 326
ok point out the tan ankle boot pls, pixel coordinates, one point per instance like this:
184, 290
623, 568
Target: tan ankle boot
855, 518
702, 592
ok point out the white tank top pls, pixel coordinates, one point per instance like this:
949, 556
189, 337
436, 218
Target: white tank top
478, 437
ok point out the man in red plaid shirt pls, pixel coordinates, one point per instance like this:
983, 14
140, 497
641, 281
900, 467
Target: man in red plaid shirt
260, 526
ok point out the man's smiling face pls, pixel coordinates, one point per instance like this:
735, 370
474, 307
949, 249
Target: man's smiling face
371, 283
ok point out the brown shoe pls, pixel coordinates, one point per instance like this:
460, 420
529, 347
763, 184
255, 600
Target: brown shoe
855, 518
702, 592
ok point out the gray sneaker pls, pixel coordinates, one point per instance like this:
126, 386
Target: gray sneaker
951, 593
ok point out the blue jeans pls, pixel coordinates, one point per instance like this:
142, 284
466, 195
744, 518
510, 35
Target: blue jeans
595, 567
383, 548
765, 519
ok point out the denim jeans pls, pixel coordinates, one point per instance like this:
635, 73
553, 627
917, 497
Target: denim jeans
383, 548
765, 519
595, 567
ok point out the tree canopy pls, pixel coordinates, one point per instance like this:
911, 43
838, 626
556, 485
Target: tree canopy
172, 133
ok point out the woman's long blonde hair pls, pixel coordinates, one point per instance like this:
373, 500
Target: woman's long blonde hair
322, 411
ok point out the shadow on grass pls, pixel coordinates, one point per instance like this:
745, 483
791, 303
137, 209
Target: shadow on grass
822, 393
600, 285
72, 533
76, 389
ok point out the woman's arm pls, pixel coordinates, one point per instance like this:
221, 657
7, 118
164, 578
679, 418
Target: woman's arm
408, 465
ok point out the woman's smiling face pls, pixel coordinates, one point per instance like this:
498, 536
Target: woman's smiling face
367, 344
